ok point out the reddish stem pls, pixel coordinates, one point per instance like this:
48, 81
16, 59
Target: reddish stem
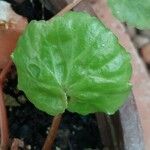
68, 7
3, 123
5, 71
52, 133
3, 115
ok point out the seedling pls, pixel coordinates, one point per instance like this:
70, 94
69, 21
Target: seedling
72, 62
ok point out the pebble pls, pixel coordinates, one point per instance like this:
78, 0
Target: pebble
28, 147
47, 132
22, 99
73, 133
10, 109
58, 148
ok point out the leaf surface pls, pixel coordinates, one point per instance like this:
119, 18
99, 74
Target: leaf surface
72, 62
133, 12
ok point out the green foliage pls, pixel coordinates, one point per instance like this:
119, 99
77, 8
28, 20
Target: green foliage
72, 62
134, 12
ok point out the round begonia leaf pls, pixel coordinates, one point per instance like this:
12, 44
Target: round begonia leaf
72, 62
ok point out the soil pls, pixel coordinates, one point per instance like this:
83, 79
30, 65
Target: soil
30, 124
31, 9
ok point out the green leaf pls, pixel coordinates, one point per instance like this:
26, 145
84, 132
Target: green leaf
134, 12
72, 62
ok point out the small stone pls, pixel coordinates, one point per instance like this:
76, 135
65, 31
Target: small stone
58, 148
22, 99
28, 147
47, 131
10, 109
10, 101
48, 128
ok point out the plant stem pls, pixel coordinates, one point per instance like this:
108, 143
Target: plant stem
3, 123
68, 7
4, 135
5, 71
52, 133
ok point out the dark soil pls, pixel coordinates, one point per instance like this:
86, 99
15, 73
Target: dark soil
31, 125
31, 9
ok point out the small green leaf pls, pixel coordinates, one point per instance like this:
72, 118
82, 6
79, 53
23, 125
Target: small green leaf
134, 12
72, 62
